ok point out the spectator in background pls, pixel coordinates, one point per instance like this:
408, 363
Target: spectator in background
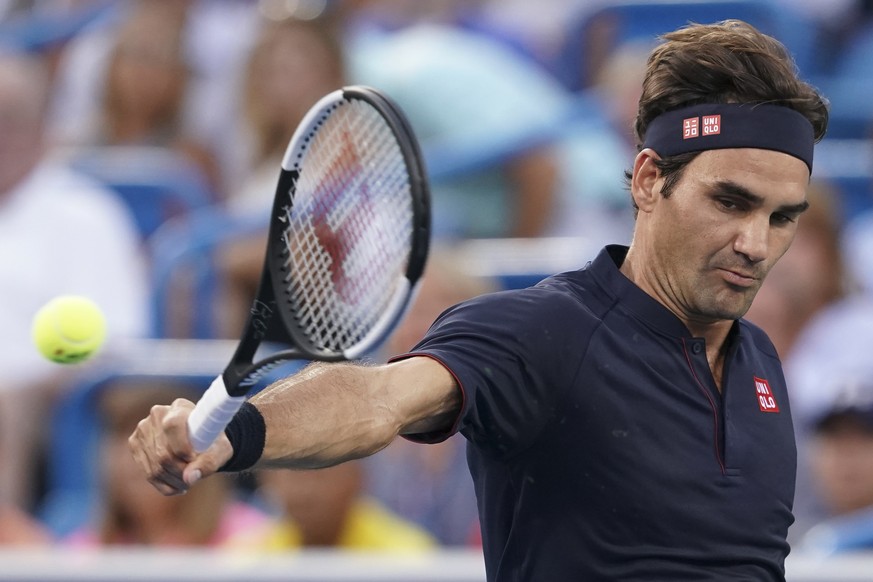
618, 86
832, 350
59, 234
841, 451
147, 81
131, 512
593, 155
328, 508
141, 88
485, 122
292, 65
498, 131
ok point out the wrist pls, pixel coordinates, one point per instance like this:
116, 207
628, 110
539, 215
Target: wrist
247, 434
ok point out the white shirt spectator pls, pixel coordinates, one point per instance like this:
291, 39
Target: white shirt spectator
60, 233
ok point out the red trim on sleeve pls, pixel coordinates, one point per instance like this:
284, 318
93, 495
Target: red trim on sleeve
439, 436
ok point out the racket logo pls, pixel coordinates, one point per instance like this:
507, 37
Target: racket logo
260, 315
343, 204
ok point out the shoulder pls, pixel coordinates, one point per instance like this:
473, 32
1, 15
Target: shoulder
566, 295
758, 338
536, 316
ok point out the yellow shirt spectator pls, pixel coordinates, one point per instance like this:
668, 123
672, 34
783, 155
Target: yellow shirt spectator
368, 526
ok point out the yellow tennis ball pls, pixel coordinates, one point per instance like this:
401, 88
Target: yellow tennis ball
69, 329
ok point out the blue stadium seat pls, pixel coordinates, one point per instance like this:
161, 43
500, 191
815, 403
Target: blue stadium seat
847, 164
854, 61
641, 20
42, 28
188, 246
848, 86
851, 108
156, 183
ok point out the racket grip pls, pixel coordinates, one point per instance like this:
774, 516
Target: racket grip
213, 412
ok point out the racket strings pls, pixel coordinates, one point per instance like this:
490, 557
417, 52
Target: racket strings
349, 229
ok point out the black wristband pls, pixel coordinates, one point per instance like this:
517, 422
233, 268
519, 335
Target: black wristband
247, 433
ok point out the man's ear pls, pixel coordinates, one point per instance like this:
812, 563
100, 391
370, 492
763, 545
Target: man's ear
646, 180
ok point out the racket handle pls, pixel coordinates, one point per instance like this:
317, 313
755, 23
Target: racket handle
213, 412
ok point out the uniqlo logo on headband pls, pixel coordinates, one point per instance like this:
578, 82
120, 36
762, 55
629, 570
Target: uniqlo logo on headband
711, 124
690, 127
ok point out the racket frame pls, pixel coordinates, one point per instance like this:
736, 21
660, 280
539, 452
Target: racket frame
267, 317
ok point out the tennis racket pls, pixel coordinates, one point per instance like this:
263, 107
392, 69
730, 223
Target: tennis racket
347, 243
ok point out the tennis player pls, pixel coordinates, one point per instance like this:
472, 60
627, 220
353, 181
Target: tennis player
624, 422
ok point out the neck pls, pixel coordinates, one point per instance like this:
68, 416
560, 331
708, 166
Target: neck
713, 332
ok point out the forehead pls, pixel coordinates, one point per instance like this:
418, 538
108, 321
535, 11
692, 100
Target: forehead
763, 172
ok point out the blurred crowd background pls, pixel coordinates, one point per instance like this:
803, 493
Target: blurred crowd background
139, 147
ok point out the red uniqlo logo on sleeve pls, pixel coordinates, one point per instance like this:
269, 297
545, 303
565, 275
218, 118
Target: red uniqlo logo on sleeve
690, 127
711, 124
766, 401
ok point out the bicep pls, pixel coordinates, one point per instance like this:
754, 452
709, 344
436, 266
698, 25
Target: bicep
423, 394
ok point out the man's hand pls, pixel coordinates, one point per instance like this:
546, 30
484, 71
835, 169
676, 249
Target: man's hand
161, 446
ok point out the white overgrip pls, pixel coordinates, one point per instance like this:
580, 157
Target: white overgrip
210, 417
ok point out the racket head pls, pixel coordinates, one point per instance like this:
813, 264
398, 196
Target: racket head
350, 226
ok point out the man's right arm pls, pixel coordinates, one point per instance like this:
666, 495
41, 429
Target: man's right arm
324, 415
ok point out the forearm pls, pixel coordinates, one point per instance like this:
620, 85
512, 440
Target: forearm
323, 415
330, 413
326, 414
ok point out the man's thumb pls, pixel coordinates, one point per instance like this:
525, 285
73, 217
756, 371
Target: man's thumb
206, 463
191, 475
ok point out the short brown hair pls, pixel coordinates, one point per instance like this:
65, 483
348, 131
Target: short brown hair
725, 62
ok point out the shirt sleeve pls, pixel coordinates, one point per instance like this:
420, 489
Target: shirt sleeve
511, 355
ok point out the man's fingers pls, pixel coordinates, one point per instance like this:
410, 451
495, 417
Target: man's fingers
160, 446
167, 489
175, 430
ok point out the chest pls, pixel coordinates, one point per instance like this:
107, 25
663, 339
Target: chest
661, 393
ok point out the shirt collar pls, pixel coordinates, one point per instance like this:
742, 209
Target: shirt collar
605, 269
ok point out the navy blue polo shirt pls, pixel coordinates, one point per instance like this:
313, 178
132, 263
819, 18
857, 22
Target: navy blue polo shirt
599, 445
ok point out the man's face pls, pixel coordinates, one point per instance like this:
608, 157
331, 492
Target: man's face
728, 220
